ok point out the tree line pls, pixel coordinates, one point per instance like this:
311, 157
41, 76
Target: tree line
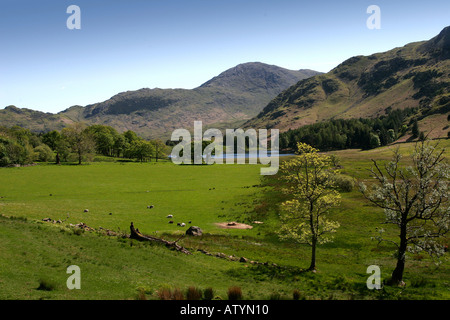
78, 142
360, 133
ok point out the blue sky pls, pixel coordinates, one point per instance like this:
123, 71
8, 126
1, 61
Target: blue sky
127, 45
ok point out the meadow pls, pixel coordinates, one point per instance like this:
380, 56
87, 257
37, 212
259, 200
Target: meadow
34, 254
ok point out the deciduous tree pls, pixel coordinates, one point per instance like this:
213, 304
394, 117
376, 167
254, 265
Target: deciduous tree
414, 199
309, 182
80, 139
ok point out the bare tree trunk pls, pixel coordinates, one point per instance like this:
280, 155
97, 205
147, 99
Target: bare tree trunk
312, 267
135, 234
397, 274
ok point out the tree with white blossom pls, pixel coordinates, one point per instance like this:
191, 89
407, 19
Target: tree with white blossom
414, 199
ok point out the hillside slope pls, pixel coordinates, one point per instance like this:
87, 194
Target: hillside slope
416, 75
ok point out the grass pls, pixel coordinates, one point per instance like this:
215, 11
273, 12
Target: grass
35, 254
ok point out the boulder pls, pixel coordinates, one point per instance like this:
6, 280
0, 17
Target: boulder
194, 231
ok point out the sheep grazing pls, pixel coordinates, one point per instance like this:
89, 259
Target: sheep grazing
86, 210
170, 216
182, 224
150, 207
170, 221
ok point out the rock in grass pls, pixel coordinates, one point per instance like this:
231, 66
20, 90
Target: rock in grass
194, 231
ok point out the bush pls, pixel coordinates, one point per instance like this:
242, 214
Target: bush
43, 153
141, 294
193, 293
335, 160
177, 294
344, 183
275, 296
78, 231
208, 294
165, 294
296, 295
46, 285
234, 293
12, 152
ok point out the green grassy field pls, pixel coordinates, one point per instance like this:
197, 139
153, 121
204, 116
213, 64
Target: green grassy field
33, 252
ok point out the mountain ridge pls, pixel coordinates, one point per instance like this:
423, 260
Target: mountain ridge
416, 75
235, 95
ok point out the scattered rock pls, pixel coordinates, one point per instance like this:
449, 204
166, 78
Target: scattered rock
170, 216
150, 207
194, 231
242, 259
83, 226
86, 210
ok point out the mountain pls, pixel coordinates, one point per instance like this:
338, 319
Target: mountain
36, 121
236, 95
414, 76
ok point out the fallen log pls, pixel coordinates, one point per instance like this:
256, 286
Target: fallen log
135, 234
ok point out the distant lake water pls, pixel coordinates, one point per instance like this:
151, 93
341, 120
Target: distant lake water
248, 155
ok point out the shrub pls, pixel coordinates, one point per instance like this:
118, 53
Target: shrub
344, 183
193, 293
177, 294
141, 294
46, 285
165, 294
234, 293
296, 295
43, 153
208, 294
335, 160
374, 141
78, 231
275, 296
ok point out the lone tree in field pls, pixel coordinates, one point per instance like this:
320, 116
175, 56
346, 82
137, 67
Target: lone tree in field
414, 199
310, 183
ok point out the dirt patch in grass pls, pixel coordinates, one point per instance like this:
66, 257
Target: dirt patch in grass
233, 225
